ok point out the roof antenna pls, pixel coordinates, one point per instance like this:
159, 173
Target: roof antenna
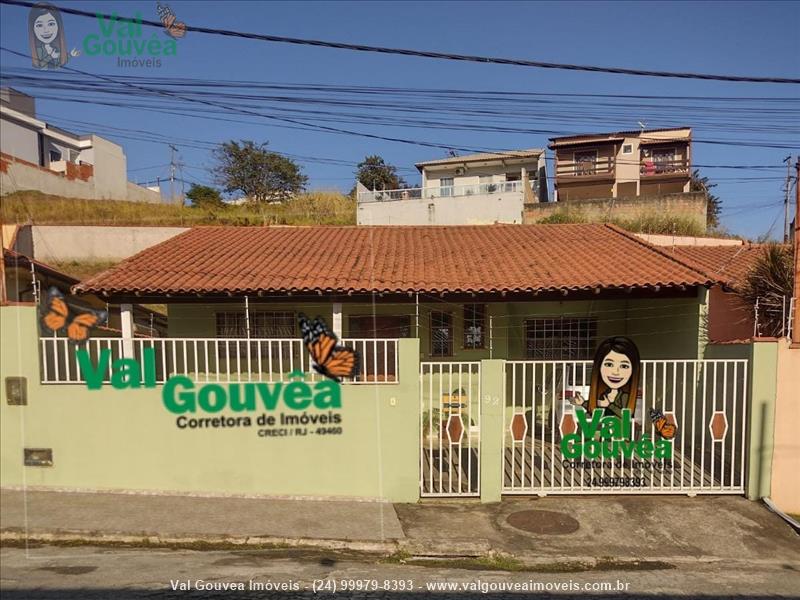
642, 124
452, 152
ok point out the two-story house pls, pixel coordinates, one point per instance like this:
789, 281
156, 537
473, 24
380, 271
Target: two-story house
477, 189
627, 175
622, 164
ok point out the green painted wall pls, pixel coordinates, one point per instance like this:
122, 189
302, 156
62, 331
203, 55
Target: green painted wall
492, 382
761, 417
112, 439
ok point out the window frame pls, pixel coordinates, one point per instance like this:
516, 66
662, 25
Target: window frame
477, 316
593, 162
570, 347
450, 327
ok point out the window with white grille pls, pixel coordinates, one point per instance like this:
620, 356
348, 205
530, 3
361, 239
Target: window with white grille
560, 338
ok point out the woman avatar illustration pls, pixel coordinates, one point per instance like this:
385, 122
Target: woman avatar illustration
46, 36
615, 377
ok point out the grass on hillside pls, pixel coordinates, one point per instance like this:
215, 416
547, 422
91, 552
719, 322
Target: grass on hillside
315, 208
657, 223
82, 269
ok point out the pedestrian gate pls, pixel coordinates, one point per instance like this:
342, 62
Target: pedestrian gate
450, 429
705, 399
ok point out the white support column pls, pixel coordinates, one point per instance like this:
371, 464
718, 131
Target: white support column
337, 318
126, 316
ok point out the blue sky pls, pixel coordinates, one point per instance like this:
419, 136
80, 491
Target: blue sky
732, 38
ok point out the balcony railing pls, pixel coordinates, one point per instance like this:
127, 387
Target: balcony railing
663, 167
502, 187
212, 360
583, 168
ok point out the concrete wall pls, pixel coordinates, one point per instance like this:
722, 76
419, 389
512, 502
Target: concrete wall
691, 206
86, 242
110, 170
479, 209
137, 193
19, 141
761, 417
16, 176
126, 439
687, 240
785, 488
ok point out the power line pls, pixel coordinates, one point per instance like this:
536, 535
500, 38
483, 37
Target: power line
431, 54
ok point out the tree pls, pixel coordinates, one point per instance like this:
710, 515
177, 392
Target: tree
203, 196
714, 208
261, 175
375, 174
770, 283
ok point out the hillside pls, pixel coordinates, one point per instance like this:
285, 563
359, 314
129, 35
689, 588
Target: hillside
320, 208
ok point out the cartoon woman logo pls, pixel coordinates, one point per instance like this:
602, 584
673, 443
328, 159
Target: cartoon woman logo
615, 377
46, 35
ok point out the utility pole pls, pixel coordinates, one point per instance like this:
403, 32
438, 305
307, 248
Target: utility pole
788, 161
172, 167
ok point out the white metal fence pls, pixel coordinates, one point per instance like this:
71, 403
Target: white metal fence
217, 359
450, 422
706, 399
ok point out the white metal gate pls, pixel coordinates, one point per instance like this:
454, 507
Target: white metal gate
450, 429
706, 399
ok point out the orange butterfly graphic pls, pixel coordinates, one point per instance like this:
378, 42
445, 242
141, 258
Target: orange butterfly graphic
665, 429
175, 28
57, 313
330, 359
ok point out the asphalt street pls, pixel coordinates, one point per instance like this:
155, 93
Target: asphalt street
71, 572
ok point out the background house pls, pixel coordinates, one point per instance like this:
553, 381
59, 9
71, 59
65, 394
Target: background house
624, 174
35, 155
462, 190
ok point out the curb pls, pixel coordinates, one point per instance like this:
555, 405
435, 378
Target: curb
417, 548
210, 542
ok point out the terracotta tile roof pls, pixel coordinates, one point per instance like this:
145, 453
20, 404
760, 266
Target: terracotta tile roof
479, 258
532, 153
727, 263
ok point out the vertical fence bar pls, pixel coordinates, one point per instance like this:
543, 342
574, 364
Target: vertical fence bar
513, 415
703, 430
733, 424
745, 399
682, 429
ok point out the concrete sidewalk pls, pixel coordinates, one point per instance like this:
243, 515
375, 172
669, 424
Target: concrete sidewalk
560, 529
162, 518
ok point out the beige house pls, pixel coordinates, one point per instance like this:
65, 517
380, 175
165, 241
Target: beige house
477, 189
624, 164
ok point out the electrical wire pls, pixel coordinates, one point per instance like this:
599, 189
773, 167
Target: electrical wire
429, 54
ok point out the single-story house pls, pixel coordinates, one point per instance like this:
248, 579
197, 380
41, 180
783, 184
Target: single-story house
467, 292
473, 340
